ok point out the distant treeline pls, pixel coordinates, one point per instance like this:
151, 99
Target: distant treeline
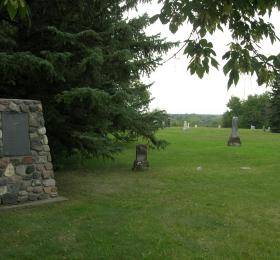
256, 111
195, 119
261, 111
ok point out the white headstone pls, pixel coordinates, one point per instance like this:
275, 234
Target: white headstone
219, 126
253, 127
195, 126
185, 127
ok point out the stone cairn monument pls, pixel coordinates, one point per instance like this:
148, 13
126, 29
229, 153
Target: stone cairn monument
141, 163
26, 170
234, 139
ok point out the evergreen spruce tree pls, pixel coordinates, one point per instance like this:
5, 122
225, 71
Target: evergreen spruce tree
84, 61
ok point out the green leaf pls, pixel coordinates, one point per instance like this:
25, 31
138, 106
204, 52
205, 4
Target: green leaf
214, 63
236, 77
230, 81
226, 55
200, 71
228, 66
12, 9
203, 42
154, 18
173, 27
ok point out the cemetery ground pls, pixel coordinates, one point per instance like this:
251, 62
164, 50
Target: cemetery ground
199, 199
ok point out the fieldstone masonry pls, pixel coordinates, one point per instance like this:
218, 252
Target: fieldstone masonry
26, 170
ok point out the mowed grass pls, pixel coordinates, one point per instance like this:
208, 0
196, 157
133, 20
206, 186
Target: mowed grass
172, 211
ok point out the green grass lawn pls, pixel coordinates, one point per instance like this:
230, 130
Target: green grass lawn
171, 211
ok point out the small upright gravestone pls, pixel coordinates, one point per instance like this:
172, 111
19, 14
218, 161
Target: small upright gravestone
26, 170
234, 139
141, 162
185, 127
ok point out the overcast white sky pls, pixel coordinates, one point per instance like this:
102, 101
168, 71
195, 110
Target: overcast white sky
176, 91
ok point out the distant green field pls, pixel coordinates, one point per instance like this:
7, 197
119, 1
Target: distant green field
172, 211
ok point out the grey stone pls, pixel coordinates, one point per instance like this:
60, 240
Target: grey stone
14, 107
32, 129
29, 189
24, 108
33, 196
46, 148
9, 198
30, 169
36, 183
42, 131
38, 189
49, 182
47, 174
14, 188
3, 181
40, 167
54, 194
49, 157
37, 147
33, 120
43, 153
48, 190
14, 179
3, 108
20, 170
23, 193
3, 190
36, 175
33, 108
42, 159
1, 134
34, 136
42, 121
49, 166
45, 139
27, 177
25, 184
43, 196
15, 161
22, 199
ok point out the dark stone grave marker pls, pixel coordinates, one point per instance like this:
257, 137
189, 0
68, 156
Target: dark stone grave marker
234, 139
141, 162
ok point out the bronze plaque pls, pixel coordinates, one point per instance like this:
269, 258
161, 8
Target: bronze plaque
16, 140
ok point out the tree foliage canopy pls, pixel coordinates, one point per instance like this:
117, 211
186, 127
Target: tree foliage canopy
255, 110
84, 61
275, 107
248, 24
13, 9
